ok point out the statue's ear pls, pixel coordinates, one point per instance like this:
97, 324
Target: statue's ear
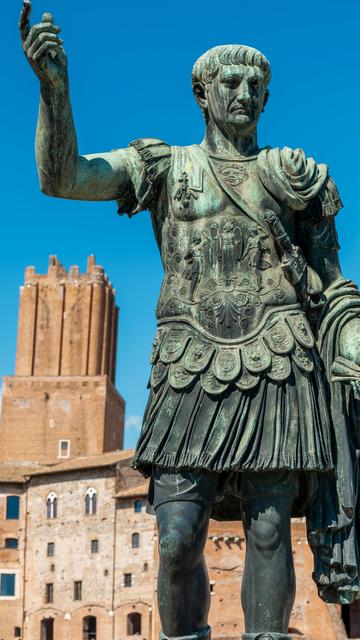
266, 98
200, 95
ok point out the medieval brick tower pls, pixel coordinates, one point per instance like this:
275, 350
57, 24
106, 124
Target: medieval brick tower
62, 402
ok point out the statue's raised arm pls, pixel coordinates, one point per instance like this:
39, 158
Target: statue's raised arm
62, 171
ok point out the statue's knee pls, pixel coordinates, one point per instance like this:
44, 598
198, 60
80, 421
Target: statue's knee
176, 553
265, 533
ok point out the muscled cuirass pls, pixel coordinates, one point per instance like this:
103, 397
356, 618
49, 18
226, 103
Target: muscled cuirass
222, 271
224, 297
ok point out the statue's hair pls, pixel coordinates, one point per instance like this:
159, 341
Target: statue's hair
207, 66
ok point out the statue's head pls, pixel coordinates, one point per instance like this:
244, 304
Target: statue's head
230, 86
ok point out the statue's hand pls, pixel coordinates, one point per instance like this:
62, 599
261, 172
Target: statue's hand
350, 341
346, 366
347, 372
350, 349
356, 389
43, 48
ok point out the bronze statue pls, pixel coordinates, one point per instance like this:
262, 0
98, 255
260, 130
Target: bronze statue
253, 410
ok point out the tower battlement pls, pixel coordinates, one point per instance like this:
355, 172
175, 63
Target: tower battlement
57, 273
67, 322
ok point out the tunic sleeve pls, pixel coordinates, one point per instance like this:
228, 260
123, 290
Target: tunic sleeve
148, 164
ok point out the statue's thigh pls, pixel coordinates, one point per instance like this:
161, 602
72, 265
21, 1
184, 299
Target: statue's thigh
266, 501
182, 501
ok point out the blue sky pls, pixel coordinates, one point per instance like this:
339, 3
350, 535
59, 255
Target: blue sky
130, 69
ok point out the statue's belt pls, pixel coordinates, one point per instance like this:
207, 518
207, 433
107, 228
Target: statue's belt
181, 354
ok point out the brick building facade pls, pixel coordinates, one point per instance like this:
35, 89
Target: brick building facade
83, 564
78, 553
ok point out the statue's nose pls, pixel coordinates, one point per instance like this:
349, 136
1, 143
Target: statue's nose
244, 92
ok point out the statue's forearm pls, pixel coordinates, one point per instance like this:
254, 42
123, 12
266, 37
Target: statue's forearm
56, 144
321, 248
62, 171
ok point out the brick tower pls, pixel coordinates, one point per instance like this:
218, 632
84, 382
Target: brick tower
62, 402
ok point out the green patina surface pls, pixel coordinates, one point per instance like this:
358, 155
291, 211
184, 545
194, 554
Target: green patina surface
255, 386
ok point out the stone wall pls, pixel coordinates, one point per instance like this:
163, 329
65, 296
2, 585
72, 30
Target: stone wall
71, 532
87, 411
139, 562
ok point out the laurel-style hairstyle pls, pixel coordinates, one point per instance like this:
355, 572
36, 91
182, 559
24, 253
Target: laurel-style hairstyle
207, 66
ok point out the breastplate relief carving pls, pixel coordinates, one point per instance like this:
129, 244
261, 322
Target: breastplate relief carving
221, 274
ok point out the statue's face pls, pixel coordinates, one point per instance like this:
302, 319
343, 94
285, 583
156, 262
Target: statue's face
236, 98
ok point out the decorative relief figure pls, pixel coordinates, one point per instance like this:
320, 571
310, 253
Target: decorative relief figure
234, 174
195, 260
185, 193
253, 379
257, 250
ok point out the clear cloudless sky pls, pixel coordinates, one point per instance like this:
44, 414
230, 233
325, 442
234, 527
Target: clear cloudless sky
130, 70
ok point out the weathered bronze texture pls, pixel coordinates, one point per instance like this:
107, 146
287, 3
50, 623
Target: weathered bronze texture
253, 410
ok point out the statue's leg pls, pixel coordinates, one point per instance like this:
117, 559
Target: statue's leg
183, 585
268, 588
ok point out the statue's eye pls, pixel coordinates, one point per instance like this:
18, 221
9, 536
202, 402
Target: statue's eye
231, 83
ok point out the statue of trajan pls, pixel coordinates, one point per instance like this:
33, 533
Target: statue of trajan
253, 410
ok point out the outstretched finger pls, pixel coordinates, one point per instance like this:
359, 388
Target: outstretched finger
24, 22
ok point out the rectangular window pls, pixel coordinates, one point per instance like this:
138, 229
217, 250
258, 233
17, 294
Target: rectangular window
7, 585
12, 507
17, 632
50, 549
127, 579
94, 546
49, 593
64, 449
11, 543
138, 506
78, 590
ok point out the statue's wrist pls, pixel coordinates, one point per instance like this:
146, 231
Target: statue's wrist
50, 90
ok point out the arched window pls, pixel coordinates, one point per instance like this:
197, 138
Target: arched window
47, 629
135, 540
138, 506
90, 502
134, 624
51, 506
89, 628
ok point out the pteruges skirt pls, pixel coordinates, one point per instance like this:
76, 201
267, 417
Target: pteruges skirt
270, 427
